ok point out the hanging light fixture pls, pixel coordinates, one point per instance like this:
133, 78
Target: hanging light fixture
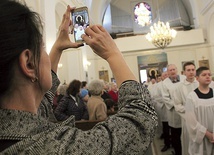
161, 34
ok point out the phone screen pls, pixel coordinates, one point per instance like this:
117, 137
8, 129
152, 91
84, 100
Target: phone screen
80, 20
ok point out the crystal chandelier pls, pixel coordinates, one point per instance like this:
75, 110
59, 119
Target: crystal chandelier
161, 35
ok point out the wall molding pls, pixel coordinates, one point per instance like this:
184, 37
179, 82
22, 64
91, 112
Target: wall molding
139, 42
207, 7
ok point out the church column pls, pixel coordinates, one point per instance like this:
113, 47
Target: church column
48, 13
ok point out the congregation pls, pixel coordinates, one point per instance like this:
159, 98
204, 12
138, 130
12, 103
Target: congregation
93, 101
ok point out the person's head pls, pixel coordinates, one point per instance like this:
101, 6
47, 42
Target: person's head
79, 18
203, 75
95, 87
159, 78
113, 86
106, 86
109, 104
153, 81
153, 73
84, 84
74, 88
172, 71
62, 89
23, 58
189, 70
84, 95
164, 75
76, 26
80, 28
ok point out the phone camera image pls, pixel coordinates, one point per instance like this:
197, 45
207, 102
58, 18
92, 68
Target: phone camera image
80, 20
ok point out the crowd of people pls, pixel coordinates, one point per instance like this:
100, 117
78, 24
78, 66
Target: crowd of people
85, 101
185, 106
29, 82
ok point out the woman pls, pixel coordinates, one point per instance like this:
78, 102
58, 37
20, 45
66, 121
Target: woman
23, 131
110, 106
96, 107
84, 95
113, 92
72, 104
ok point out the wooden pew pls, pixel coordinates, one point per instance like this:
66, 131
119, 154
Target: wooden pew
86, 125
109, 113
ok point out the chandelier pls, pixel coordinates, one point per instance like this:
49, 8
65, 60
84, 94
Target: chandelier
161, 34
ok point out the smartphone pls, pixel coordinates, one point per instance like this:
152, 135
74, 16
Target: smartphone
80, 19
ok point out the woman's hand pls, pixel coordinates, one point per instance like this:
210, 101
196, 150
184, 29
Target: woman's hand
63, 41
100, 41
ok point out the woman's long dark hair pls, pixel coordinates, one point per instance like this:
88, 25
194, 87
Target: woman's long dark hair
74, 87
20, 29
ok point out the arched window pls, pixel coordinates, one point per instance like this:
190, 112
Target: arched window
143, 14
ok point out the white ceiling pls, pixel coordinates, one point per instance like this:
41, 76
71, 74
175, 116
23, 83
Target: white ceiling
97, 8
177, 12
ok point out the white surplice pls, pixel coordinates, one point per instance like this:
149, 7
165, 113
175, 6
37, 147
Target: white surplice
160, 102
199, 118
174, 119
180, 95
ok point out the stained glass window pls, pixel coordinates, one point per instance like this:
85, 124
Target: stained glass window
143, 14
